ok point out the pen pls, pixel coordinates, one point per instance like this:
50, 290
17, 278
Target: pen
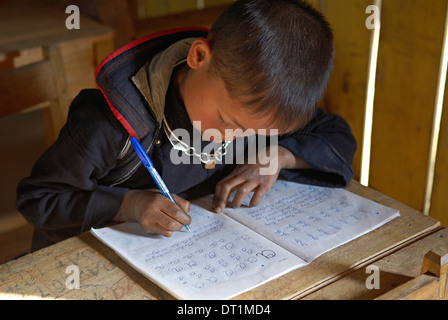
152, 170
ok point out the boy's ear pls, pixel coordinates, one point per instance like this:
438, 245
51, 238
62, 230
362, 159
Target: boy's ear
199, 54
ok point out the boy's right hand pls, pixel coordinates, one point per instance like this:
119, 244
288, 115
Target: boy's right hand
155, 213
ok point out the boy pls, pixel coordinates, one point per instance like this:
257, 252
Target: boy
263, 65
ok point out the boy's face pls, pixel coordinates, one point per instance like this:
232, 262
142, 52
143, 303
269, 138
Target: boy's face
207, 100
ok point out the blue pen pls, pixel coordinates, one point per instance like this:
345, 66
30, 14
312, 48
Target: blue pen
155, 175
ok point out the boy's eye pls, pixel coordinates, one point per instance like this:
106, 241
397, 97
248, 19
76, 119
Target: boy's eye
222, 119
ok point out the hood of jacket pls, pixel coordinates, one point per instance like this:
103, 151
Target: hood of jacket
134, 79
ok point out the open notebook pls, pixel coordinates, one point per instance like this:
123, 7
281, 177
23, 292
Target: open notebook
230, 253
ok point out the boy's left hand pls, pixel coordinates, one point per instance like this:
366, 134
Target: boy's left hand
247, 178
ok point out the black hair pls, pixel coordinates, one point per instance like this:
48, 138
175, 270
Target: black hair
276, 56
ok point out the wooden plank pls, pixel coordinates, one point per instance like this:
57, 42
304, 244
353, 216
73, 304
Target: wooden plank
105, 275
103, 48
29, 56
435, 264
407, 76
154, 8
42, 23
15, 242
346, 93
78, 62
56, 115
395, 270
25, 87
439, 201
421, 288
316, 4
80, 58
7, 60
117, 14
204, 18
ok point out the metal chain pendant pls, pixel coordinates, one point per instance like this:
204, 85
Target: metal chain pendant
208, 160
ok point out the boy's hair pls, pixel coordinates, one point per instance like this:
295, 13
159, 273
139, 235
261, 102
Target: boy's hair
275, 56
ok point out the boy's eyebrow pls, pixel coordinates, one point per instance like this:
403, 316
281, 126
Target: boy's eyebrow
239, 125
235, 122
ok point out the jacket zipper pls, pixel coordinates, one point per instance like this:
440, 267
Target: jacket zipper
134, 169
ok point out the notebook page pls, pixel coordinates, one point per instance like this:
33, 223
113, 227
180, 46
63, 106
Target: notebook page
310, 221
218, 259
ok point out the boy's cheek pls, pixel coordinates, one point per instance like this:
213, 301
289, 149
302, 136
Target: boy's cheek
212, 134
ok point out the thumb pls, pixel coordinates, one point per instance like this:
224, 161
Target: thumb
184, 204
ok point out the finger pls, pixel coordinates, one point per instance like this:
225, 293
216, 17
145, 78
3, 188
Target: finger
242, 192
168, 224
223, 190
259, 194
237, 173
174, 211
158, 229
155, 227
184, 204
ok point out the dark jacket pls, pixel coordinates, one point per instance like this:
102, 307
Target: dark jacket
80, 181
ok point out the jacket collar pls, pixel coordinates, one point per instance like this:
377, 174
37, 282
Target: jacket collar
140, 108
153, 79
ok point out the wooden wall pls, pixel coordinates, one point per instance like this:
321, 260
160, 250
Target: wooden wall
439, 200
157, 8
407, 72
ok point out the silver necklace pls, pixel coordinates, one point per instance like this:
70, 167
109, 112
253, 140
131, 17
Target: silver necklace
208, 160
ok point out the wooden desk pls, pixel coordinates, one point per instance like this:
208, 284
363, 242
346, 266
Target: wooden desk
103, 275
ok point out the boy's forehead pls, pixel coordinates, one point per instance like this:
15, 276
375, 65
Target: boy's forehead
246, 119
